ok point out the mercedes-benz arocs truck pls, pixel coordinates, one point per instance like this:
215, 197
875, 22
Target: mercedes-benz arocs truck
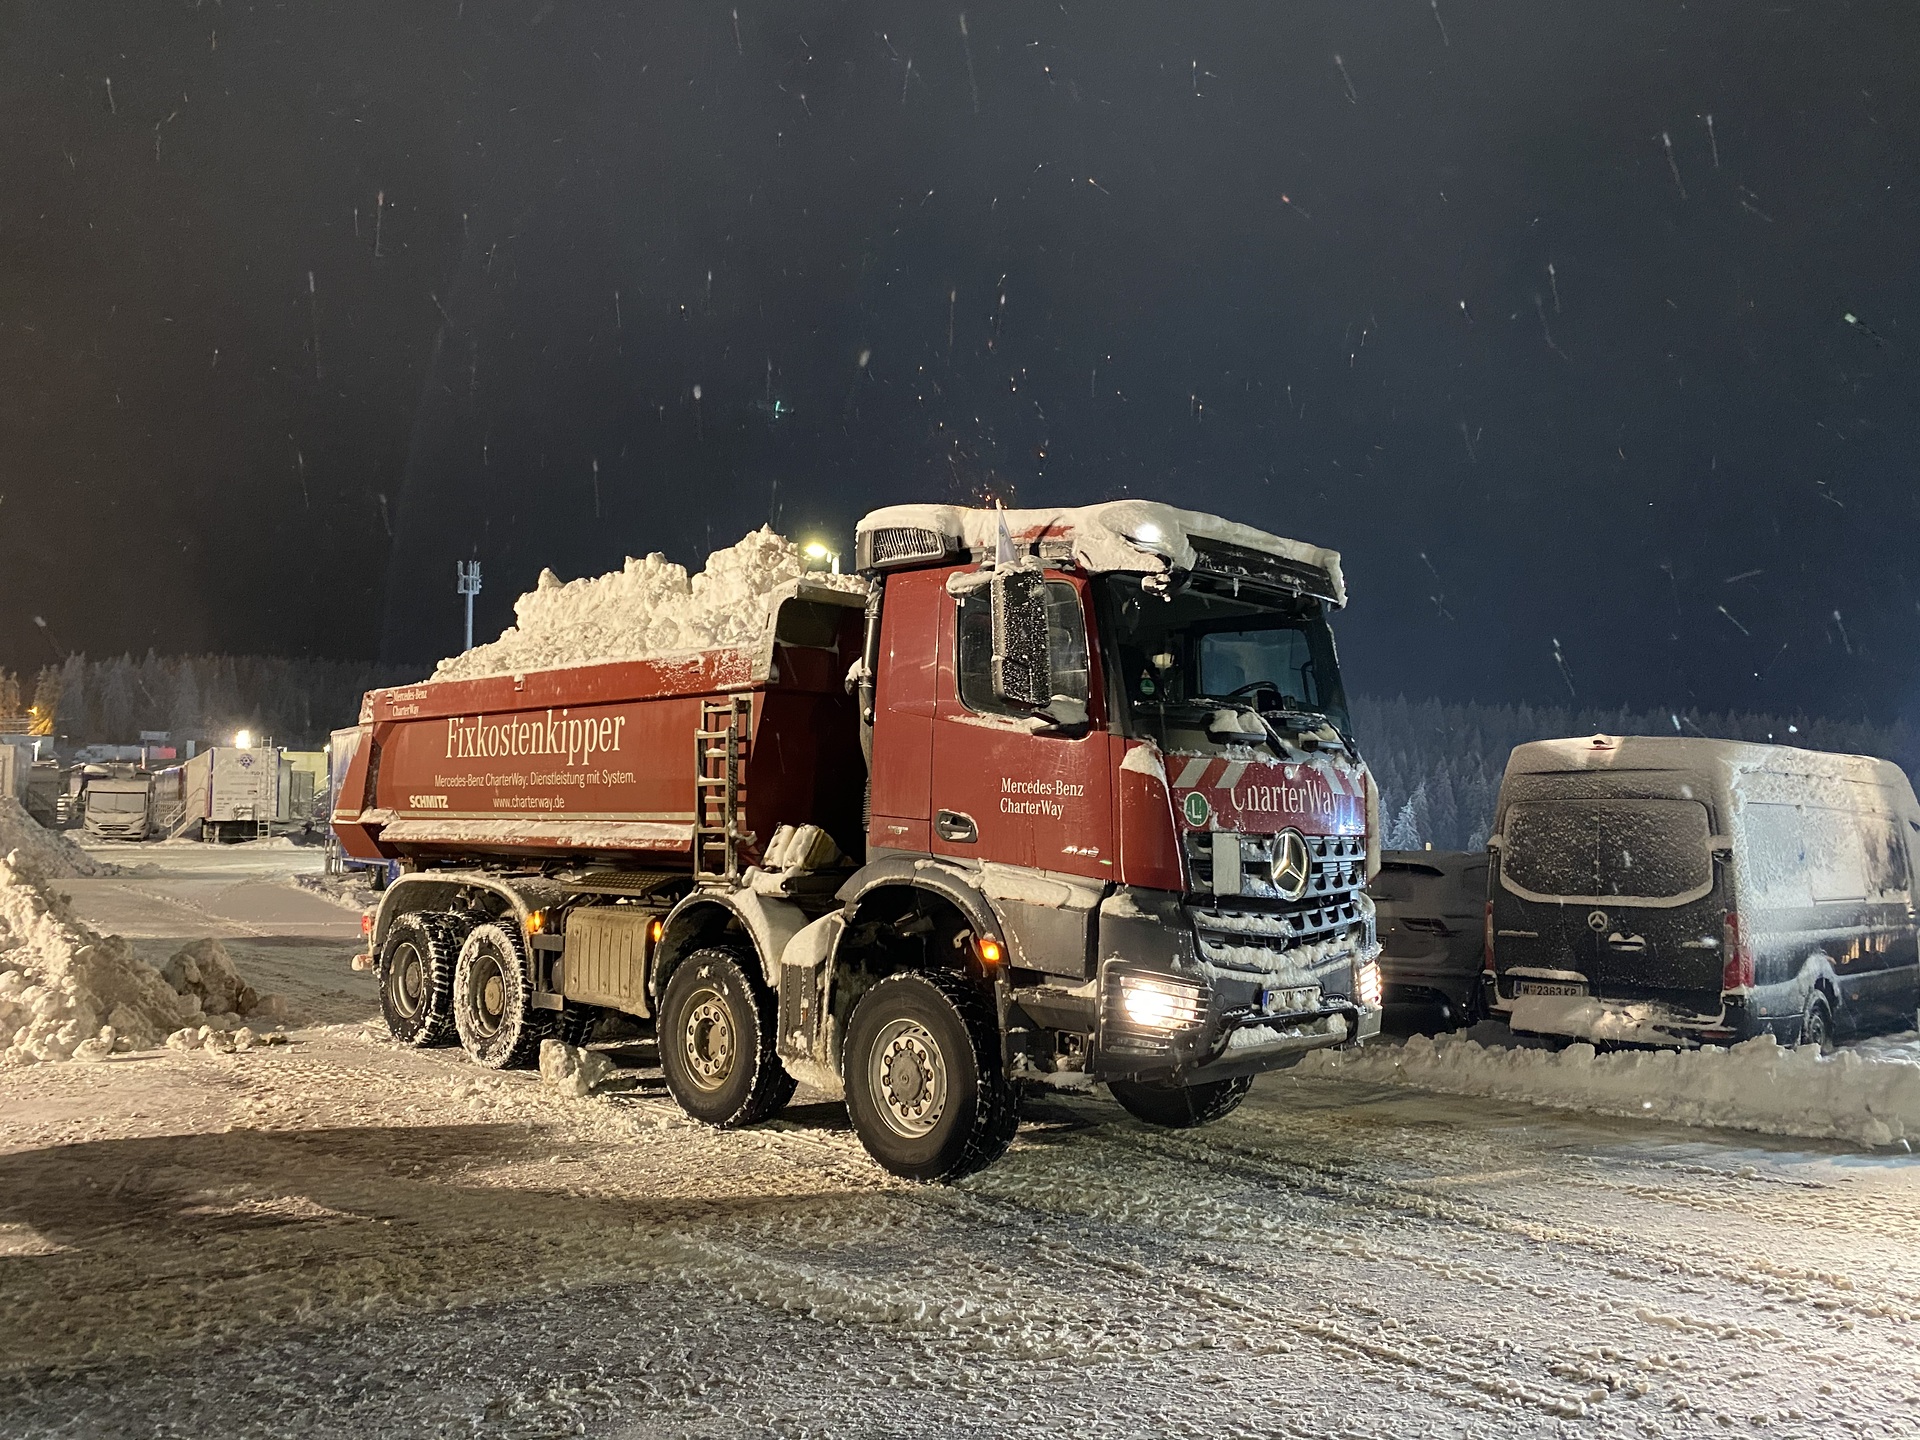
1056, 798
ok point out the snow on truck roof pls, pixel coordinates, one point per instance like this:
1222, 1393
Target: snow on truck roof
1123, 535
1701, 755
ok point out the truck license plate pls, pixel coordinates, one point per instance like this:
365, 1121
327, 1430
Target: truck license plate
1539, 987
1290, 1000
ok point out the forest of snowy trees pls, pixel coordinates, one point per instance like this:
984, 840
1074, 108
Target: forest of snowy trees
204, 698
1438, 764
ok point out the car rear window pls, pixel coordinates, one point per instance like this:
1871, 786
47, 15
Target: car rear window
1618, 849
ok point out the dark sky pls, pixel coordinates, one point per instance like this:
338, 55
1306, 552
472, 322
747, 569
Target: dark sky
312, 299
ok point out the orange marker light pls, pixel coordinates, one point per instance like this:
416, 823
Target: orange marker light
990, 951
536, 922
656, 930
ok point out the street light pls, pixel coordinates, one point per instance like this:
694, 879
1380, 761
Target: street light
814, 550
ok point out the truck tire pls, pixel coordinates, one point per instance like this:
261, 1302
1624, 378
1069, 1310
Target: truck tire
716, 1035
415, 975
925, 1088
493, 1001
1181, 1107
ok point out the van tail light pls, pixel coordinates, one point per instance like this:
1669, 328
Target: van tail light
1736, 971
1486, 941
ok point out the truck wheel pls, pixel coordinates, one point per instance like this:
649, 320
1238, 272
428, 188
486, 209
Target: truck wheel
716, 1036
493, 1003
416, 978
1181, 1107
925, 1088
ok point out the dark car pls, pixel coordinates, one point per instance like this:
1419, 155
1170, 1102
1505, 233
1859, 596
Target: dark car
1431, 913
1672, 891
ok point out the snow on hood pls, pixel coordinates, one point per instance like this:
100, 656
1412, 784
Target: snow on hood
1127, 535
645, 609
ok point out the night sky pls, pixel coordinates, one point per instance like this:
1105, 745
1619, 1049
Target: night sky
301, 302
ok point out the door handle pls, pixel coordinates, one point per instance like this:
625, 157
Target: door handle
956, 826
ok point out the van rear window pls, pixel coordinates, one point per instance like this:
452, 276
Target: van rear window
1626, 849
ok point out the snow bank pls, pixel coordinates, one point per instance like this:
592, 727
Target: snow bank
47, 853
67, 993
1848, 1095
648, 607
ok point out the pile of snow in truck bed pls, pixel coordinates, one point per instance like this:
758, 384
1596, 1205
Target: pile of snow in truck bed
67, 993
47, 853
1864, 1096
647, 607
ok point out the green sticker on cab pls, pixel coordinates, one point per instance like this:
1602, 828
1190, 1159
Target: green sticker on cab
1197, 809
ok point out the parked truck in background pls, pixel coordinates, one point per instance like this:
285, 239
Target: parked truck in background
1058, 797
118, 803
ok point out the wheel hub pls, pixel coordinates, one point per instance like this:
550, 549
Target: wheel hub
407, 981
709, 1041
489, 993
909, 1078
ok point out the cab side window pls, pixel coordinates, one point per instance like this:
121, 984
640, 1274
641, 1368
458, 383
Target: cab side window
1066, 646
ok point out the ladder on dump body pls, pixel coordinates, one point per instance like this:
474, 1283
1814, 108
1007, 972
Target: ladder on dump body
720, 747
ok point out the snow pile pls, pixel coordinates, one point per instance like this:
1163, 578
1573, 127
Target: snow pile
68, 993
1759, 1085
47, 853
648, 607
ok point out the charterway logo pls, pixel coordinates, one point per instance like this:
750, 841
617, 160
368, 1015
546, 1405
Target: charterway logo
1197, 809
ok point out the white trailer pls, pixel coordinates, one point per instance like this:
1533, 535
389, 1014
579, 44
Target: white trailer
236, 794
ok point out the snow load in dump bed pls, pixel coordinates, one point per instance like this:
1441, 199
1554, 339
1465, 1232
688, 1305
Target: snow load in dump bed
1724, 758
1126, 535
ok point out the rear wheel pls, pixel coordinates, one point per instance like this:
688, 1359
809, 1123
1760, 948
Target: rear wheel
493, 1001
925, 1088
1816, 1024
1181, 1107
716, 1037
415, 975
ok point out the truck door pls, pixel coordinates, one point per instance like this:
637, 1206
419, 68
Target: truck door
1003, 792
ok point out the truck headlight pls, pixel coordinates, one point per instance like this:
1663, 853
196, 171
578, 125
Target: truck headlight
1151, 1003
1366, 983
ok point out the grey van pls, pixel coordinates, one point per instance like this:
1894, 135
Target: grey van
1673, 891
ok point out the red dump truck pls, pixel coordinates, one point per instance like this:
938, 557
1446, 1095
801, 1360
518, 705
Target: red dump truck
1056, 798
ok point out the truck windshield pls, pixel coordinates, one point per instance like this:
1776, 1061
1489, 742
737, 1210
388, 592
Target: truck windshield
1184, 657
116, 801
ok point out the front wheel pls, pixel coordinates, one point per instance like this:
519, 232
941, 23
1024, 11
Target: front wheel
1181, 1107
716, 1036
925, 1088
1816, 1024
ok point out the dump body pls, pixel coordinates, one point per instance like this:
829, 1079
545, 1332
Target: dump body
598, 762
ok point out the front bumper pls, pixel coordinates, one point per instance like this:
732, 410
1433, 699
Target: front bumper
1219, 1020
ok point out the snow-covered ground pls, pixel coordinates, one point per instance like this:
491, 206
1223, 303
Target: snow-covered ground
340, 1237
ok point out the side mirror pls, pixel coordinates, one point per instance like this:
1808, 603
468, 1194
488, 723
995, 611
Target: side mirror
1022, 664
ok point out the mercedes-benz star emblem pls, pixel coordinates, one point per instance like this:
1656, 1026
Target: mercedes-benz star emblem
1597, 920
1292, 865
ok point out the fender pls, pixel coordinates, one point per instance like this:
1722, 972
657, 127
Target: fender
438, 889
770, 921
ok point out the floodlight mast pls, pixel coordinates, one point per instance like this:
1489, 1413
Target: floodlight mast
468, 584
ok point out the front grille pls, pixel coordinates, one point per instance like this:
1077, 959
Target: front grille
1228, 925
1339, 865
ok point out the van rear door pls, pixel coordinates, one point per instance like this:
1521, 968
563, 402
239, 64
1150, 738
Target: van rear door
1628, 888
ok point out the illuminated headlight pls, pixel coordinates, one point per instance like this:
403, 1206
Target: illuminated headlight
1366, 983
1154, 1004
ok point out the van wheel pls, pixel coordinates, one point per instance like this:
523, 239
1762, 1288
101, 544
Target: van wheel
415, 975
1816, 1025
925, 1088
716, 1035
493, 1001
1181, 1107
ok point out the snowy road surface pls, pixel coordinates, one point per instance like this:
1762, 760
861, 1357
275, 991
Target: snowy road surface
344, 1238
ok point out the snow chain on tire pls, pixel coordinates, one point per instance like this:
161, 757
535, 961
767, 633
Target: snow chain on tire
493, 999
979, 1109
415, 976
717, 1031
